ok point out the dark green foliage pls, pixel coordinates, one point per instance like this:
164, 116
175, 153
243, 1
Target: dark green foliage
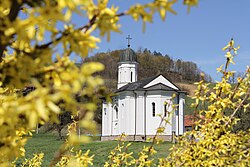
65, 119
98, 113
244, 122
188, 109
244, 116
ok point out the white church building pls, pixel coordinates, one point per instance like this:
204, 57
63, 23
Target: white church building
136, 104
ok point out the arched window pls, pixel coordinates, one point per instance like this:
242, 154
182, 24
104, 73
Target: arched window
116, 112
153, 109
105, 111
131, 77
165, 110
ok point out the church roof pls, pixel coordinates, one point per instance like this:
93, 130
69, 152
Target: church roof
148, 84
128, 55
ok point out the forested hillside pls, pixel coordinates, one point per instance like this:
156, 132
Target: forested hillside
150, 64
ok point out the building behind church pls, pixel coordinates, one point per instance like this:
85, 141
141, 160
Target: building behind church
136, 104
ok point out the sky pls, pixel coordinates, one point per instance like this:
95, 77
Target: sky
198, 36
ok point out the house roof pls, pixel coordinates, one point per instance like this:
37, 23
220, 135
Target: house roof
188, 120
150, 84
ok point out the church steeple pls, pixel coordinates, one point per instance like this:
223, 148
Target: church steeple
127, 66
128, 55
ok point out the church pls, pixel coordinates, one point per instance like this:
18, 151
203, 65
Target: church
136, 104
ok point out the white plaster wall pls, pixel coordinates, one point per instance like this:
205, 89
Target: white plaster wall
181, 114
176, 117
122, 115
127, 119
126, 114
179, 121
152, 123
162, 80
166, 98
133, 114
124, 73
106, 119
140, 117
122, 118
177, 125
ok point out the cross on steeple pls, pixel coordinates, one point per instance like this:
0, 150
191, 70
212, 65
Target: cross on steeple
128, 38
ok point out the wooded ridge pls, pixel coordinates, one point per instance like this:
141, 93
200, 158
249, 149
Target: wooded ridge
150, 64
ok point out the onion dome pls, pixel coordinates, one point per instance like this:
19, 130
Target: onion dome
128, 55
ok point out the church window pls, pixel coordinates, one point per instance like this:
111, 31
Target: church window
116, 112
105, 111
153, 109
131, 77
165, 110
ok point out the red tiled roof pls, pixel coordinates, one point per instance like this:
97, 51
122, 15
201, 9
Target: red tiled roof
188, 120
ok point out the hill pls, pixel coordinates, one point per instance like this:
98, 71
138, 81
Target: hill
150, 64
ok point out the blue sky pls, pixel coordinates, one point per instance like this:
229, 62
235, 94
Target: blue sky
197, 36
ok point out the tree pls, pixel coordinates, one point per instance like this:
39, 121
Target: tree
64, 119
30, 36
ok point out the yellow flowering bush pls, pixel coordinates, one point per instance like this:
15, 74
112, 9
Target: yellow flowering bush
212, 141
32, 33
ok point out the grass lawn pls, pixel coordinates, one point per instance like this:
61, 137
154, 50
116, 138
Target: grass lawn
49, 144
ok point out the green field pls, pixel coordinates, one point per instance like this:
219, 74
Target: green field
49, 143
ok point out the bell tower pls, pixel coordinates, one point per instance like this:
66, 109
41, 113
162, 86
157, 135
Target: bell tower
127, 66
